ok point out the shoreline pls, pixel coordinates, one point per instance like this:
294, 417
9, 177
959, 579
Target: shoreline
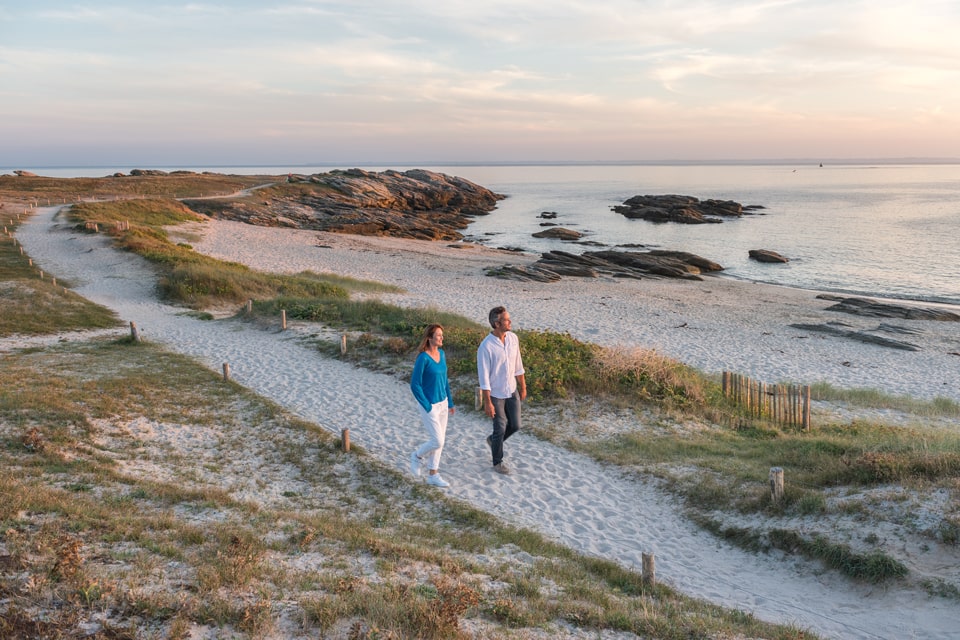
720, 323
849, 293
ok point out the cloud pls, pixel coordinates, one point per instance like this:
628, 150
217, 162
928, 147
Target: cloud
511, 70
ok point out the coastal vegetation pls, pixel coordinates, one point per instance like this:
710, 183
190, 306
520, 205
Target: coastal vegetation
23, 190
88, 533
35, 305
110, 529
87, 530
732, 451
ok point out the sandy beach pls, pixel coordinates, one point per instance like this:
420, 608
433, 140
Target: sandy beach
718, 324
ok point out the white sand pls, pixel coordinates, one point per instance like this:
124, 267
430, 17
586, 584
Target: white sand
714, 325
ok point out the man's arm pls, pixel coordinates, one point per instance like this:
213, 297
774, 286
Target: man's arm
487, 402
522, 386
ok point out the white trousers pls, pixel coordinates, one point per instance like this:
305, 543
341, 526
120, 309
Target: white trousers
435, 422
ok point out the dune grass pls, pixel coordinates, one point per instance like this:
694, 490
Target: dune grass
938, 407
101, 516
34, 305
46, 191
195, 280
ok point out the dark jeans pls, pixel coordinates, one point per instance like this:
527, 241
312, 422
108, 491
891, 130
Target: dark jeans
506, 422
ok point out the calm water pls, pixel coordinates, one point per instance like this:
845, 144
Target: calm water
892, 231
884, 230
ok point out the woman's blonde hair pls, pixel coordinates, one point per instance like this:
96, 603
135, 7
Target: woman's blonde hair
427, 334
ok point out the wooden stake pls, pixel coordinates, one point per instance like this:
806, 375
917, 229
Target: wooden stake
226, 371
345, 439
283, 319
649, 569
134, 332
343, 344
776, 483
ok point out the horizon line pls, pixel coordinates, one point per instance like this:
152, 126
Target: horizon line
507, 163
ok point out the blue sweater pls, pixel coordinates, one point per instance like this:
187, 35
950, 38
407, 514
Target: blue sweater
429, 381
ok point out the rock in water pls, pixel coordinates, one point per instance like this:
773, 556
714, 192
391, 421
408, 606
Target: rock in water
765, 255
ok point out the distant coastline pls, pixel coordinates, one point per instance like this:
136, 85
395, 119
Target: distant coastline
882, 229
76, 171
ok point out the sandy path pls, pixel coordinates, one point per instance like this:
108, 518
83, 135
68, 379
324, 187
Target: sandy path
565, 496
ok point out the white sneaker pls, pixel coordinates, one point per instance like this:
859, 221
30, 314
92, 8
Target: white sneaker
415, 463
436, 481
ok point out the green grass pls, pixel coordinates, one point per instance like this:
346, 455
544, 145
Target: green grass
36, 306
22, 190
198, 281
938, 407
874, 567
148, 526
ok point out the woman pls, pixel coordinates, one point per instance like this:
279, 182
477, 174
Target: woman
432, 390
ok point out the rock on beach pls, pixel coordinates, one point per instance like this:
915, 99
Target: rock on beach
414, 204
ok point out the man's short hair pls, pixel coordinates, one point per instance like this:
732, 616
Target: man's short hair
495, 314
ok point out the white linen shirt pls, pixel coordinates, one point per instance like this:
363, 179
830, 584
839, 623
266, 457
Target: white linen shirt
499, 364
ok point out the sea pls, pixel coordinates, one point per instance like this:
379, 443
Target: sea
887, 230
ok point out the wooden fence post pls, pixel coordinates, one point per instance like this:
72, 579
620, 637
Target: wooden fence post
649, 569
134, 332
343, 344
249, 306
345, 439
806, 408
226, 371
776, 483
283, 319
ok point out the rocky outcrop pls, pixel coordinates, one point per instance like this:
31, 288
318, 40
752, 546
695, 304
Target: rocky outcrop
682, 209
765, 255
618, 264
844, 331
411, 204
875, 309
25, 174
560, 233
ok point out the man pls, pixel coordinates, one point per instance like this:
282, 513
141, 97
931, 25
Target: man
502, 383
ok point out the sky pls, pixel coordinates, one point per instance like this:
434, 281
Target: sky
164, 83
